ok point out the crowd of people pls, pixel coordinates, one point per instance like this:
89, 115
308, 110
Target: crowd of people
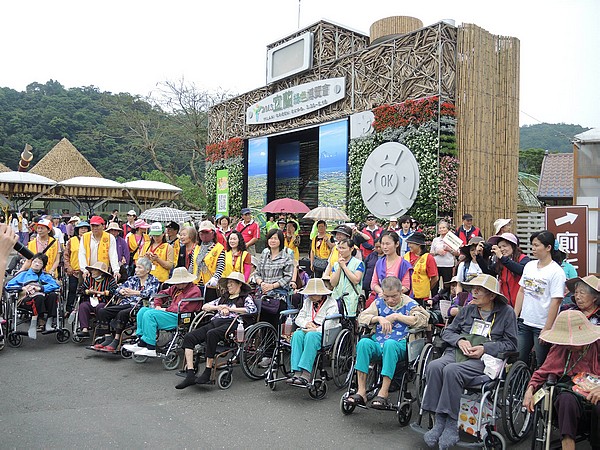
500, 299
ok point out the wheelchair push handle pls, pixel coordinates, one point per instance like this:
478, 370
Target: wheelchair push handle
289, 312
188, 300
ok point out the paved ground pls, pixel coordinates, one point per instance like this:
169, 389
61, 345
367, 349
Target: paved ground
64, 396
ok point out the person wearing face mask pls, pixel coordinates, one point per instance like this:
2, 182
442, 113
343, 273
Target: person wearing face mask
40, 293
210, 261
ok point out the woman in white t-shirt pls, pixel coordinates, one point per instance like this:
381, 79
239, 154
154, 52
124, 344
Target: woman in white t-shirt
468, 267
540, 295
443, 254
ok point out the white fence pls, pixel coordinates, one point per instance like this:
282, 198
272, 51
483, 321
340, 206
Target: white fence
528, 223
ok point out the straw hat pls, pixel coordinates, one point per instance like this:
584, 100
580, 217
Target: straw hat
488, 282
112, 226
181, 275
592, 281
571, 327
453, 280
499, 223
74, 219
99, 265
237, 276
315, 286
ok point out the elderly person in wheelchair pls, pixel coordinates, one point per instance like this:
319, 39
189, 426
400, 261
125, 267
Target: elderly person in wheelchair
393, 314
306, 340
485, 326
150, 320
38, 292
576, 350
235, 300
142, 285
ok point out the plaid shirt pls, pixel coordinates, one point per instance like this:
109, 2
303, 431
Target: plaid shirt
149, 289
276, 270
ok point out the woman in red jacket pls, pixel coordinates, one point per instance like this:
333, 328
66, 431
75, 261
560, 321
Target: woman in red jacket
509, 264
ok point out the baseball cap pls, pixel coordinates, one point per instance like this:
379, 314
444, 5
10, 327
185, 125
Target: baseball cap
174, 225
467, 217
131, 212
45, 222
206, 225
246, 211
156, 229
96, 220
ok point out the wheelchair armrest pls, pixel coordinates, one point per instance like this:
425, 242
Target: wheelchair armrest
13, 290
510, 357
188, 300
333, 317
416, 330
159, 296
552, 380
289, 312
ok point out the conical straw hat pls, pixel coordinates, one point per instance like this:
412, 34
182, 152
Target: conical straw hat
571, 327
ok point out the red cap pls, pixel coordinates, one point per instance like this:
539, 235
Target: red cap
96, 220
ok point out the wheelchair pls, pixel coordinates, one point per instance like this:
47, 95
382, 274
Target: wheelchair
334, 345
168, 342
491, 401
229, 350
544, 422
406, 371
16, 313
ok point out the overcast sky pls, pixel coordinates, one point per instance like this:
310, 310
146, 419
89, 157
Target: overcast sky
131, 45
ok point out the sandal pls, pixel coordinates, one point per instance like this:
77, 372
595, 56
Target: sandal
356, 399
301, 381
291, 380
380, 403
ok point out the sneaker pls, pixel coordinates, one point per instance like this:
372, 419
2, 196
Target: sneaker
132, 348
146, 352
264, 363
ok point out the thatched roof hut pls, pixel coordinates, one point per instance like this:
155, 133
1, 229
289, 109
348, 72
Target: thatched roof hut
63, 162
3, 168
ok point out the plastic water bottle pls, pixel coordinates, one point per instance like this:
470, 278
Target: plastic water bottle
239, 333
152, 303
287, 327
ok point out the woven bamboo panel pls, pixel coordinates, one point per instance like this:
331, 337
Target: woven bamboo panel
487, 133
21, 189
416, 65
394, 25
90, 192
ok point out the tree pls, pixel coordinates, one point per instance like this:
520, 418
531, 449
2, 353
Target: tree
530, 160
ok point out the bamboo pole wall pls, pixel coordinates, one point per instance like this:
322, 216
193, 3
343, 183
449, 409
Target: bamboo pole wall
487, 133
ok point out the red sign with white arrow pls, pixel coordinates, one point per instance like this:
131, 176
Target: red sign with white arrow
570, 227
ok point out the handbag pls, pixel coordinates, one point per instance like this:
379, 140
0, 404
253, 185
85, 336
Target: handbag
320, 263
270, 304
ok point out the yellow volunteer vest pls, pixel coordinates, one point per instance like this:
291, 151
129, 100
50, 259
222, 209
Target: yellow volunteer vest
239, 263
334, 256
158, 271
74, 247
322, 251
210, 260
176, 247
420, 280
132, 243
292, 246
52, 253
103, 247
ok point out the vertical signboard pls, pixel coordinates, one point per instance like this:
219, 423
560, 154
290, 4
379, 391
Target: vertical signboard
258, 152
570, 226
222, 192
333, 164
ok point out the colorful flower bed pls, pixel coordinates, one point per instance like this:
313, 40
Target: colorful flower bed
225, 155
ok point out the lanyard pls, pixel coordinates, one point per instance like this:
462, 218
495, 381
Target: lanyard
566, 370
315, 313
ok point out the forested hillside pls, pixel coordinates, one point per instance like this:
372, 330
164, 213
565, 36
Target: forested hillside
554, 137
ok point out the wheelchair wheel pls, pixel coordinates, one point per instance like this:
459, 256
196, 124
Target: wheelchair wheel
404, 413
76, 339
424, 359
342, 358
373, 382
318, 390
225, 379
140, 359
516, 423
494, 441
260, 340
172, 360
538, 439
346, 408
126, 353
2, 343
63, 335
15, 340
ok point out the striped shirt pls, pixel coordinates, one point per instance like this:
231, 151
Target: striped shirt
275, 270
